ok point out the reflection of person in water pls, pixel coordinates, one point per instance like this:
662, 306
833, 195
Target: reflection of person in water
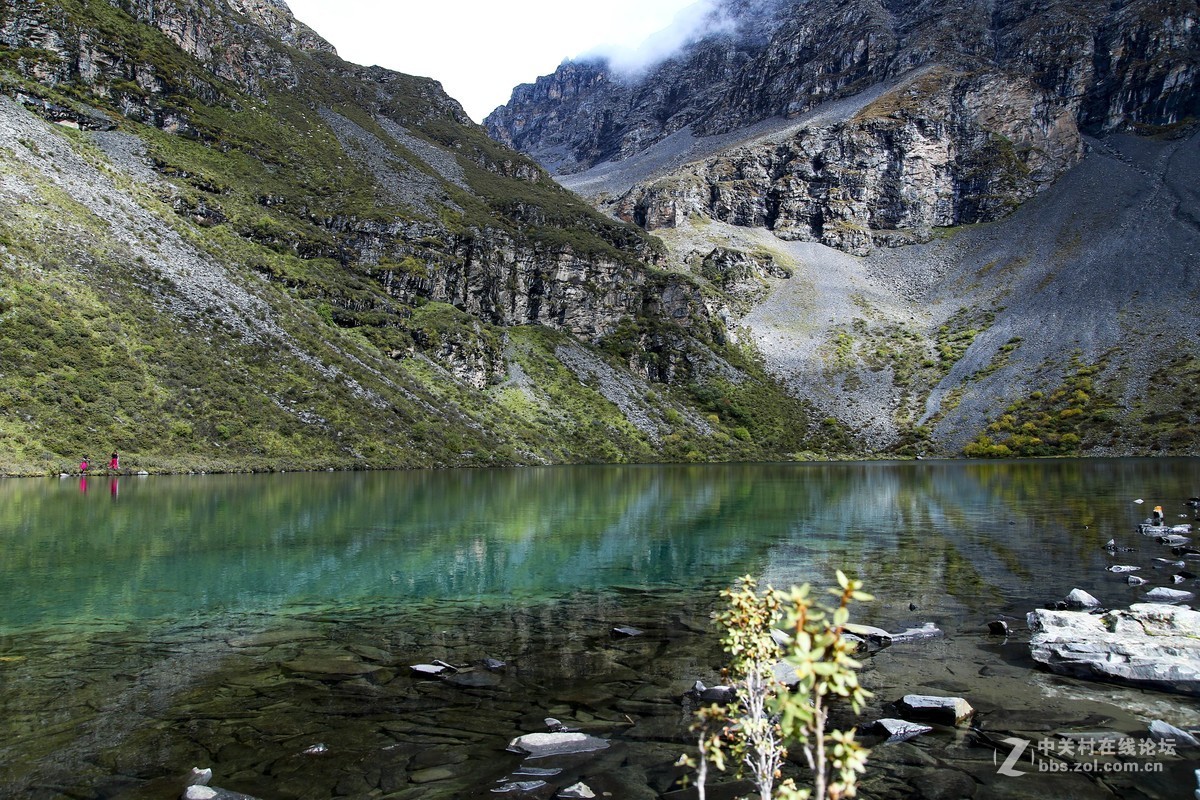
83, 484
112, 488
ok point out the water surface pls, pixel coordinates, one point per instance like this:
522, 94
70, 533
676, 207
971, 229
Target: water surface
148, 625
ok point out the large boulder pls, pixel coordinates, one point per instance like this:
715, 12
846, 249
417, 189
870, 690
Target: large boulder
1150, 645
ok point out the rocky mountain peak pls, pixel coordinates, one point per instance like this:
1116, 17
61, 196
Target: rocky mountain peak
276, 17
1114, 67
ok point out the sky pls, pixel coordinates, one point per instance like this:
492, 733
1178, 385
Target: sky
481, 49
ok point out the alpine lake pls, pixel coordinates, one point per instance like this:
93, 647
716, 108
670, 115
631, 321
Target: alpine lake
266, 626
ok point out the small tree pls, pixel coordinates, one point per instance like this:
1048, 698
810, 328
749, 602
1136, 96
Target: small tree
766, 634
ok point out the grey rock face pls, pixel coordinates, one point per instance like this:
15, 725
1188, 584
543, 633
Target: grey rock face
1151, 645
988, 108
942, 149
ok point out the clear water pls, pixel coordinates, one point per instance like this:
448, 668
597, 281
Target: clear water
149, 625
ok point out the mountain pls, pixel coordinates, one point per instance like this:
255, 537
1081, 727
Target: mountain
222, 248
953, 228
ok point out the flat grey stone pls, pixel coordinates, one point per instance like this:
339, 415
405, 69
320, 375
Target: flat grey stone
428, 669
578, 791
1162, 594
943, 710
536, 772
897, 730
198, 792
431, 775
926, 631
1150, 645
870, 633
540, 745
519, 786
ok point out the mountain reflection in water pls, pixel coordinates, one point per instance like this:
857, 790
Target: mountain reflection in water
208, 620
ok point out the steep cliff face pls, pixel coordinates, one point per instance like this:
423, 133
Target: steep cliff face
943, 148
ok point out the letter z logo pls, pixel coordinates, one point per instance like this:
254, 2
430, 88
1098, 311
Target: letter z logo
1018, 747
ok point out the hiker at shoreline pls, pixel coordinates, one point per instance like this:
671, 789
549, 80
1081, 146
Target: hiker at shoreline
114, 463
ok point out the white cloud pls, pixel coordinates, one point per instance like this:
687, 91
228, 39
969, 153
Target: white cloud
690, 24
481, 50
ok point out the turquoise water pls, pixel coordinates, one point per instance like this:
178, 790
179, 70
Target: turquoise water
152, 624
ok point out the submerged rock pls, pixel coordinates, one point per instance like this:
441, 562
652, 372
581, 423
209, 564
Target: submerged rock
536, 772
926, 631
428, 669
896, 730
869, 632
882, 638
577, 791
626, 630
519, 786
998, 627
1161, 594
198, 792
540, 745
1151, 645
1122, 568
474, 679
1134, 580
943, 710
